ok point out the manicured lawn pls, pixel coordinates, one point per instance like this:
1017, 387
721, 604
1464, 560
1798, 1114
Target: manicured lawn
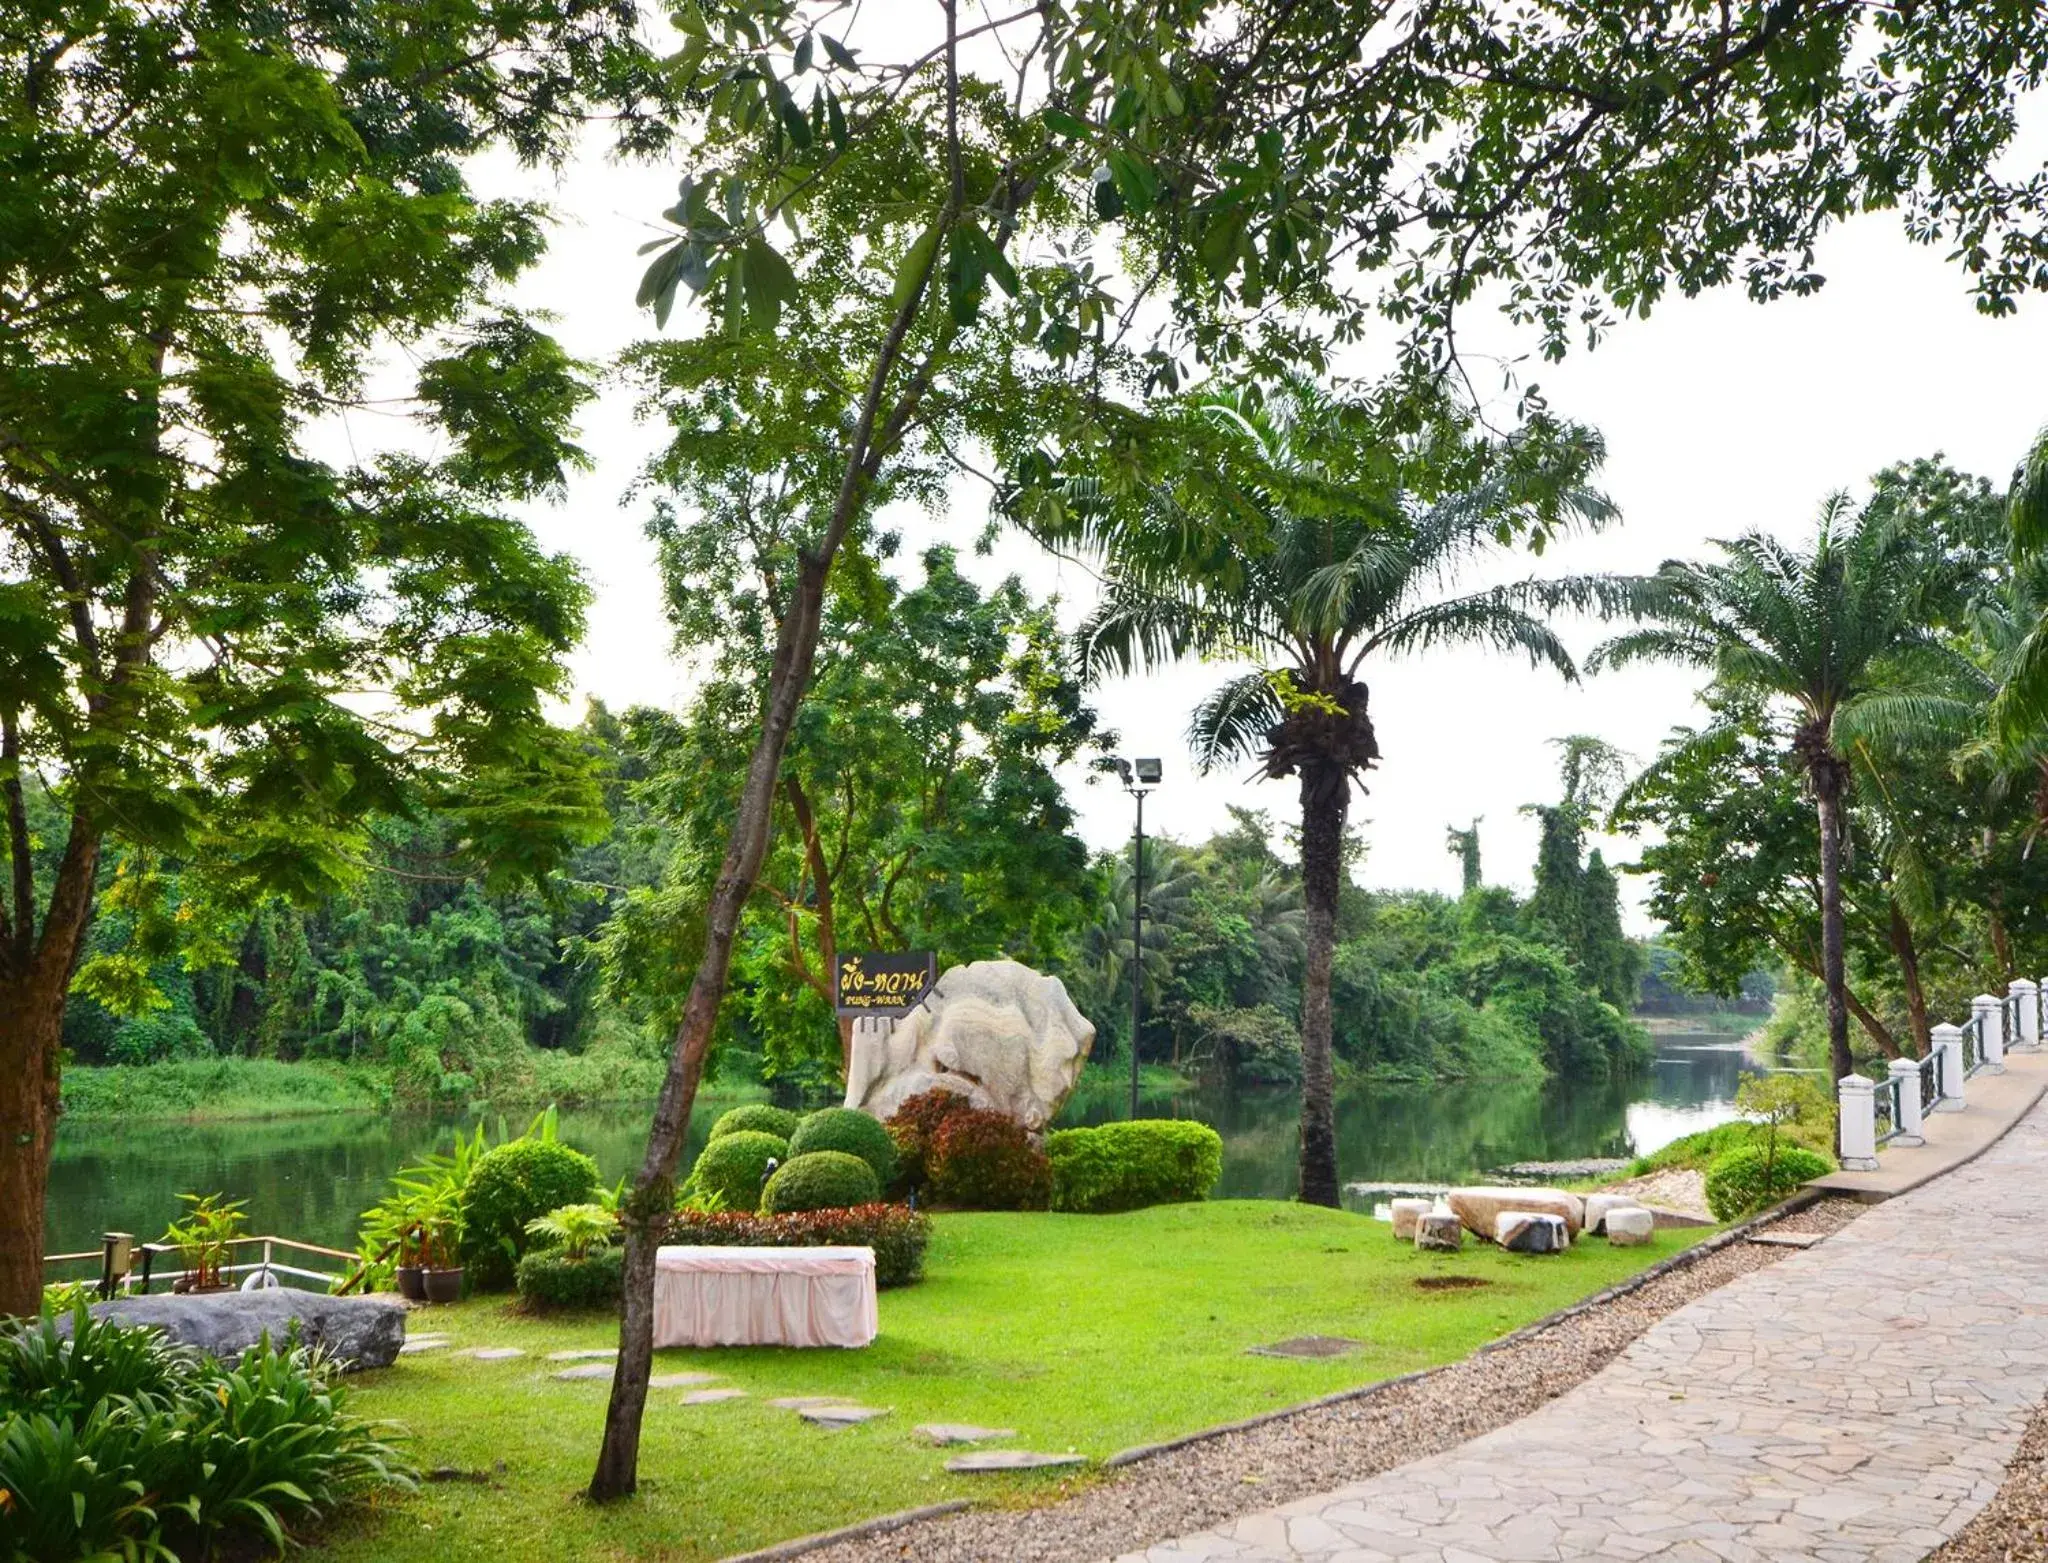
1086, 1333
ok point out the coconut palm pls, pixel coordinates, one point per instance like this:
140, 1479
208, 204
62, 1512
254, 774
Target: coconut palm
2020, 715
1297, 547
1817, 627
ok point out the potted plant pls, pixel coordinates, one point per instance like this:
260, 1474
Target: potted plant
205, 1239
436, 1234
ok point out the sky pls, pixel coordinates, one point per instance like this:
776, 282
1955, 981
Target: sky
1720, 416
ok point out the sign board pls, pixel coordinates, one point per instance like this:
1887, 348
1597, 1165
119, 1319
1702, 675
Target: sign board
875, 982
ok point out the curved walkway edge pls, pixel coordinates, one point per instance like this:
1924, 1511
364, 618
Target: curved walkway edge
1855, 1403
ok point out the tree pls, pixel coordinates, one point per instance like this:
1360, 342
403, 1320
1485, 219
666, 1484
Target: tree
1576, 901
1464, 846
216, 647
1311, 552
1815, 628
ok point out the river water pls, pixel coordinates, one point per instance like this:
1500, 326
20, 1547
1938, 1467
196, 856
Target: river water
309, 1178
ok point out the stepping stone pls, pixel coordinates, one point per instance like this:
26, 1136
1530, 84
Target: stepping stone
494, 1353
422, 1343
680, 1380
943, 1433
707, 1397
1787, 1239
808, 1402
1306, 1346
842, 1415
583, 1356
1011, 1460
587, 1370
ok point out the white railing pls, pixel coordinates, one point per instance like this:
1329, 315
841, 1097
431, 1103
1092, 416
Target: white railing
1892, 1111
127, 1268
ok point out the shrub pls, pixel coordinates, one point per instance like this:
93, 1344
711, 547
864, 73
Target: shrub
985, 1161
911, 1128
509, 1187
852, 1131
1747, 1180
574, 1231
733, 1166
820, 1180
1127, 1166
896, 1234
114, 1444
757, 1118
551, 1278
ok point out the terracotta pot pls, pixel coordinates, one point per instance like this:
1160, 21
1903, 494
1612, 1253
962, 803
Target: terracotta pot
443, 1286
410, 1285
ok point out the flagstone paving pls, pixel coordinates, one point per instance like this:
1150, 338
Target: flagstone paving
1854, 1403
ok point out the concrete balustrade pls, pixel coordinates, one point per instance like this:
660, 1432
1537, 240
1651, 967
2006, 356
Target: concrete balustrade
1989, 1011
2013, 1022
1907, 1072
1856, 1100
2028, 992
1948, 1041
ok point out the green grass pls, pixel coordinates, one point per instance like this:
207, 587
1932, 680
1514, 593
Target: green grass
1700, 1151
211, 1088
1089, 1333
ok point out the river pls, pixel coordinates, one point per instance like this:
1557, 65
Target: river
309, 1178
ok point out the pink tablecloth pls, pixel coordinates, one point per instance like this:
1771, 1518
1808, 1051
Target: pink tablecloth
764, 1296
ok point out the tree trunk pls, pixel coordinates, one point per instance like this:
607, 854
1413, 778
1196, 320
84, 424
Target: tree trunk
31, 1033
1325, 795
1827, 779
1907, 953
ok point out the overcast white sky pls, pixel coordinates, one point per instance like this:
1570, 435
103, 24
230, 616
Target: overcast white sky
1720, 416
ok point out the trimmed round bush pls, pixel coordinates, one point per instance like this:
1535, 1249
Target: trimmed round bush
757, 1118
1738, 1182
911, 1128
985, 1161
1127, 1166
852, 1131
820, 1180
550, 1279
512, 1185
733, 1165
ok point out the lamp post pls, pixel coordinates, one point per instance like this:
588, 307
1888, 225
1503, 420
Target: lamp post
1139, 778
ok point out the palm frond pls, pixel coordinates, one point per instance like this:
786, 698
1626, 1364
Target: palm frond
1487, 618
1232, 723
2027, 504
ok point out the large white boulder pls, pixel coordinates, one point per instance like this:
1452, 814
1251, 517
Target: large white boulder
1630, 1228
1480, 1208
1597, 1206
996, 1032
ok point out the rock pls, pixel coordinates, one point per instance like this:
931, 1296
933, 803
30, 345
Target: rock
842, 1415
1555, 1171
601, 1354
943, 1433
585, 1370
1480, 1208
1406, 1212
1011, 1460
1668, 1218
357, 1332
808, 1402
679, 1380
1630, 1228
1531, 1232
1597, 1206
1440, 1230
419, 1343
494, 1353
996, 1032
709, 1397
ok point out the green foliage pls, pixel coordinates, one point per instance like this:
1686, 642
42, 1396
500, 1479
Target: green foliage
1780, 1102
1744, 1181
732, 1167
574, 1231
985, 1161
851, 1130
555, 1278
1127, 1166
820, 1180
115, 1444
758, 1118
205, 1236
510, 1186
898, 1235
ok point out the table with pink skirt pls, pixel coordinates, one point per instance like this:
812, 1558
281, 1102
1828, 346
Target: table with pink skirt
764, 1296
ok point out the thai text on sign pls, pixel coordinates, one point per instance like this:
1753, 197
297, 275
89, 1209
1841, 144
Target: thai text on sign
872, 982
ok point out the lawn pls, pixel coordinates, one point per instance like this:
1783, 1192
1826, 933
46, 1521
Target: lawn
1085, 1333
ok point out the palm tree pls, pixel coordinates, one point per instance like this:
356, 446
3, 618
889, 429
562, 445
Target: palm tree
1816, 627
1298, 547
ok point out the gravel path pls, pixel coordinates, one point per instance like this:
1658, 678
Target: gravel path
1209, 1483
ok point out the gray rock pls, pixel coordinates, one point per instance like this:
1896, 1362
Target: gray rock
419, 1343
494, 1353
808, 1402
586, 1370
1563, 1171
679, 1380
842, 1416
707, 1397
996, 1032
358, 1332
602, 1354
1011, 1460
1630, 1228
943, 1433
1531, 1232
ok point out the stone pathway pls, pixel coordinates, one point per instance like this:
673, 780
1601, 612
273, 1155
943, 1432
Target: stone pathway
1855, 1403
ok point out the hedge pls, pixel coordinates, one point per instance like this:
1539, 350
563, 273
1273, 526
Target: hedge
897, 1235
1127, 1166
756, 1118
1736, 1184
820, 1180
733, 1167
512, 1185
982, 1160
548, 1280
912, 1126
852, 1131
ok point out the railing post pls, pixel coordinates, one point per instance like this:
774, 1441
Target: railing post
1859, 1123
1990, 1012
1907, 1072
1949, 1040
2028, 992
